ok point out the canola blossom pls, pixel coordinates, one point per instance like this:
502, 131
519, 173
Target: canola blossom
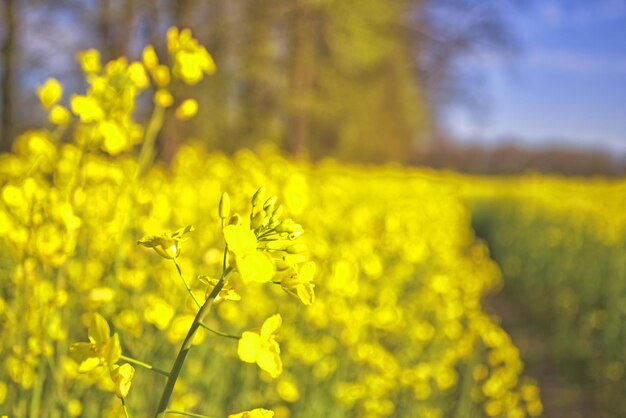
261, 348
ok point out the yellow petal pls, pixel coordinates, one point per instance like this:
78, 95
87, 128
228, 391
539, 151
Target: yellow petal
270, 362
249, 346
84, 355
270, 325
306, 293
113, 349
99, 331
307, 271
255, 267
255, 413
122, 377
89, 364
240, 240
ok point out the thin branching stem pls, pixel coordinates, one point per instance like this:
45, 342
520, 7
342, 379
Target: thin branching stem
124, 406
187, 343
189, 414
180, 273
220, 333
145, 365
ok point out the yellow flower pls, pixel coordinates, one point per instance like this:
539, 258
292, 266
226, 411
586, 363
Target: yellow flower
163, 98
161, 75
227, 292
253, 266
87, 108
186, 110
49, 93
149, 57
262, 348
299, 283
115, 140
122, 377
59, 115
255, 413
191, 60
89, 61
102, 348
166, 245
137, 74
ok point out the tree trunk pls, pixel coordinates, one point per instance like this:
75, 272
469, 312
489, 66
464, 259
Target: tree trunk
302, 79
7, 82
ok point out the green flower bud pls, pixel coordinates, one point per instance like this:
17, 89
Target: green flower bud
258, 196
282, 265
224, 207
297, 249
276, 245
269, 204
235, 219
294, 258
287, 225
296, 234
257, 220
278, 212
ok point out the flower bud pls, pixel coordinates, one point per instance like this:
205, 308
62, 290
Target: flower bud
270, 203
287, 225
122, 377
257, 220
294, 258
278, 212
224, 207
296, 234
258, 196
276, 245
296, 249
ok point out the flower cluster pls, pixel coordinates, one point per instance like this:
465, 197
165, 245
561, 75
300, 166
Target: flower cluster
105, 111
166, 245
270, 248
190, 59
103, 350
256, 251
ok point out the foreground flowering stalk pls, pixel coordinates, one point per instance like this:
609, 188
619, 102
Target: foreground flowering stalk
260, 251
104, 350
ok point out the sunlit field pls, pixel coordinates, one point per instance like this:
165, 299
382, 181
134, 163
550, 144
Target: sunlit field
334, 290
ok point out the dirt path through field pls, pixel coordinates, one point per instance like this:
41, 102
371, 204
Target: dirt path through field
561, 398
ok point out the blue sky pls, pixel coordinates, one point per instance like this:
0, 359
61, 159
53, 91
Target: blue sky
566, 87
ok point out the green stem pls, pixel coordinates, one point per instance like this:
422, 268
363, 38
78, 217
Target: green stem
180, 273
152, 130
184, 350
220, 333
189, 414
35, 400
144, 365
124, 406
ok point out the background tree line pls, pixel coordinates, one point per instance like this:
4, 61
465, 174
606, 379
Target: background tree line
360, 80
